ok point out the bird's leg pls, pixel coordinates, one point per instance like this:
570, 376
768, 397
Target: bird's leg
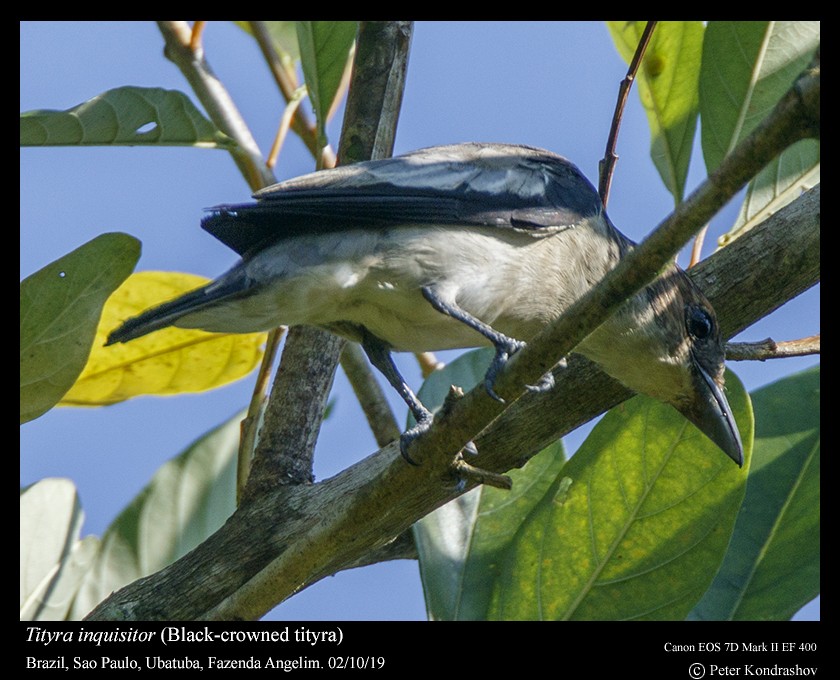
505, 346
379, 354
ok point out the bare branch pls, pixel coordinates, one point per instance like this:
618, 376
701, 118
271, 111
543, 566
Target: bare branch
428, 363
770, 349
474, 476
607, 164
195, 37
292, 107
248, 427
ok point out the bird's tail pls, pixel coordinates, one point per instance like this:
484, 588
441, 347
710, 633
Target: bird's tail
169, 313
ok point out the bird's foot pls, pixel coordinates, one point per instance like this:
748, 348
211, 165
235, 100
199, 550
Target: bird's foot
408, 437
505, 349
546, 382
424, 422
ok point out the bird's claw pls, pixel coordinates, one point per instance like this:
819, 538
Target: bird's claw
504, 351
545, 384
406, 438
424, 422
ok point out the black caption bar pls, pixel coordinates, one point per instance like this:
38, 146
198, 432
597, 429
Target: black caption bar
691, 650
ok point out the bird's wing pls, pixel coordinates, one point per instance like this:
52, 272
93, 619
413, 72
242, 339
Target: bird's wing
465, 184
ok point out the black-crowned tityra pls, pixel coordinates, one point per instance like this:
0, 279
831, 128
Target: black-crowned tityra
448, 247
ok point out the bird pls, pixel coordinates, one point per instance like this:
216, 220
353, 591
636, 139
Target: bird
450, 247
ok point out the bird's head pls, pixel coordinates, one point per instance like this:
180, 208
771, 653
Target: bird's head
666, 343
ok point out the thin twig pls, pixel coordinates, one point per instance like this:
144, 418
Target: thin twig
344, 83
288, 85
770, 349
195, 36
697, 247
249, 424
429, 363
216, 101
473, 475
283, 128
607, 165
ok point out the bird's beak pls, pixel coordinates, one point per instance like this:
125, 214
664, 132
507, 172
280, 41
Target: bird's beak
710, 412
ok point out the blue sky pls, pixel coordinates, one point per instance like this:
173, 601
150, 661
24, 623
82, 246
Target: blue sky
547, 84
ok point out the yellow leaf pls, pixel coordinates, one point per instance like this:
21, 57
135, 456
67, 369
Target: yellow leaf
169, 361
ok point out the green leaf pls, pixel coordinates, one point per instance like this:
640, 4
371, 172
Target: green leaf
188, 498
460, 545
636, 524
747, 67
772, 567
60, 307
324, 53
667, 82
52, 558
124, 116
795, 170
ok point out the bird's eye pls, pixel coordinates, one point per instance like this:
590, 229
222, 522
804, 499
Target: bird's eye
698, 322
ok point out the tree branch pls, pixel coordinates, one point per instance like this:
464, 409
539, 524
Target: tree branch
304, 380
290, 537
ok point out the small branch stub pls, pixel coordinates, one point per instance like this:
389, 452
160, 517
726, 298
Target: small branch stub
770, 349
467, 473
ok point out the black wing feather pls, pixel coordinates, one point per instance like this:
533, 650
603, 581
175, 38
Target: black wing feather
468, 184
